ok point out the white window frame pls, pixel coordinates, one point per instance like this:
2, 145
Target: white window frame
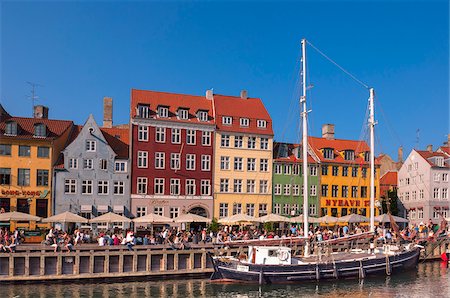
227, 120
278, 169
163, 112
190, 187
205, 187
263, 186
160, 160
142, 133
175, 186
244, 122
264, 165
175, 161
174, 212
88, 164
103, 187
89, 185
251, 164
141, 211
206, 138
183, 114
225, 140
191, 136
287, 189
251, 142
225, 163
160, 134
206, 162
91, 145
277, 189
119, 188
142, 159
202, 116
72, 186
120, 166
158, 186
237, 164
296, 190
142, 185
176, 136
264, 144
238, 141
224, 185
73, 163
223, 210
190, 162
237, 185
261, 123
251, 186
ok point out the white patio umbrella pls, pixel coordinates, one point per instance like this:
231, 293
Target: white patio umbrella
66, 217
189, 217
110, 218
353, 218
273, 218
300, 219
385, 218
238, 218
18, 216
153, 218
327, 219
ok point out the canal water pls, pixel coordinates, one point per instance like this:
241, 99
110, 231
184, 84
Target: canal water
432, 279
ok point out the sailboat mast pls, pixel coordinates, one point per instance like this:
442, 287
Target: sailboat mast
372, 160
304, 145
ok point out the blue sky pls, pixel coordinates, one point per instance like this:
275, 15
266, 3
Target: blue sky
82, 51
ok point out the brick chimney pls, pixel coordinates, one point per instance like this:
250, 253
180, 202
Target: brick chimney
209, 94
40, 112
328, 131
107, 112
400, 154
244, 94
430, 148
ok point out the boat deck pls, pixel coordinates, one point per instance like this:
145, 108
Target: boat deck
335, 257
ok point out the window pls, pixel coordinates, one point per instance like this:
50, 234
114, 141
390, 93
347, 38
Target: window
445, 177
354, 191
345, 171
176, 136
40, 130
439, 161
143, 111
436, 213
436, 193
407, 181
294, 210
262, 209
163, 112
278, 169
142, 161
5, 149
120, 166
437, 176
363, 191
324, 170
206, 138
86, 187
276, 208
237, 141
190, 162
312, 209
364, 172
324, 190
287, 169
286, 209
225, 140
11, 128
296, 170
102, 187
354, 172
264, 143
250, 186
421, 194
237, 185
261, 123
175, 161
335, 170
23, 177
414, 195
24, 150
202, 116
205, 187
119, 187
160, 160
141, 211
158, 210
296, 190
183, 114
407, 196
190, 187
237, 208
344, 191
251, 143
313, 190
264, 165
238, 163
227, 120
142, 133
159, 186
42, 178
88, 164
206, 162
103, 164
277, 189
251, 164
263, 186
334, 191
73, 163
142, 185
160, 135
224, 185
43, 152
244, 122
190, 136
349, 155
90, 146
420, 213
444, 194
70, 186
5, 176
174, 187
287, 190
224, 162
313, 170
223, 210
174, 212
328, 153
250, 208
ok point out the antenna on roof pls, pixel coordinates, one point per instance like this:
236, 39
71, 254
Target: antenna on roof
417, 138
33, 95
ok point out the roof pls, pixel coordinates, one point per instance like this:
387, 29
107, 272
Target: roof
427, 154
389, 178
118, 139
445, 149
291, 158
55, 128
236, 107
174, 101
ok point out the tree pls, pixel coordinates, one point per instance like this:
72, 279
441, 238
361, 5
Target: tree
390, 203
214, 226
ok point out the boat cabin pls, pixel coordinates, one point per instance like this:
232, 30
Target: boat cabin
269, 255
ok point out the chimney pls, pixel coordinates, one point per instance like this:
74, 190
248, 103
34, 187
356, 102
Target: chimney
40, 112
244, 94
328, 131
209, 94
447, 143
107, 112
430, 148
400, 154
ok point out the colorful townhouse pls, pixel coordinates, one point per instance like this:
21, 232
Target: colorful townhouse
344, 174
172, 142
243, 156
29, 148
288, 192
92, 176
423, 186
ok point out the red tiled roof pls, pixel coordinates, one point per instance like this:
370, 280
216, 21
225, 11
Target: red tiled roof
389, 178
173, 101
427, 154
25, 127
236, 107
118, 139
445, 149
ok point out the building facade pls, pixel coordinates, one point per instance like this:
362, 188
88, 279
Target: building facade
288, 192
243, 156
92, 177
172, 142
423, 185
29, 148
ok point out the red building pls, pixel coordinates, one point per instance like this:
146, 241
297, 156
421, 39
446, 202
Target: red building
388, 182
172, 139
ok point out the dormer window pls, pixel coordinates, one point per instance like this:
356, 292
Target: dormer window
143, 111
227, 120
328, 153
163, 112
183, 114
367, 156
283, 151
202, 116
244, 122
40, 130
349, 155
261, 123
439, 161
11, 128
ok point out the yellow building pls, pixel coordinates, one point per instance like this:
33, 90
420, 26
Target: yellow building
344, 174
243, 157
29, 147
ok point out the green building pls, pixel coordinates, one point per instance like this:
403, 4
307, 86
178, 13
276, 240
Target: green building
287, 188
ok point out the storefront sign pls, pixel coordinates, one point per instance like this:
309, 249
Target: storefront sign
346, 203
160, 202
32, 193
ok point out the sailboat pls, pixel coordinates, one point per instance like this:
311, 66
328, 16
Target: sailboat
276, 264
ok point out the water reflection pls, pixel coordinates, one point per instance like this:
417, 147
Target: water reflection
431, 279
